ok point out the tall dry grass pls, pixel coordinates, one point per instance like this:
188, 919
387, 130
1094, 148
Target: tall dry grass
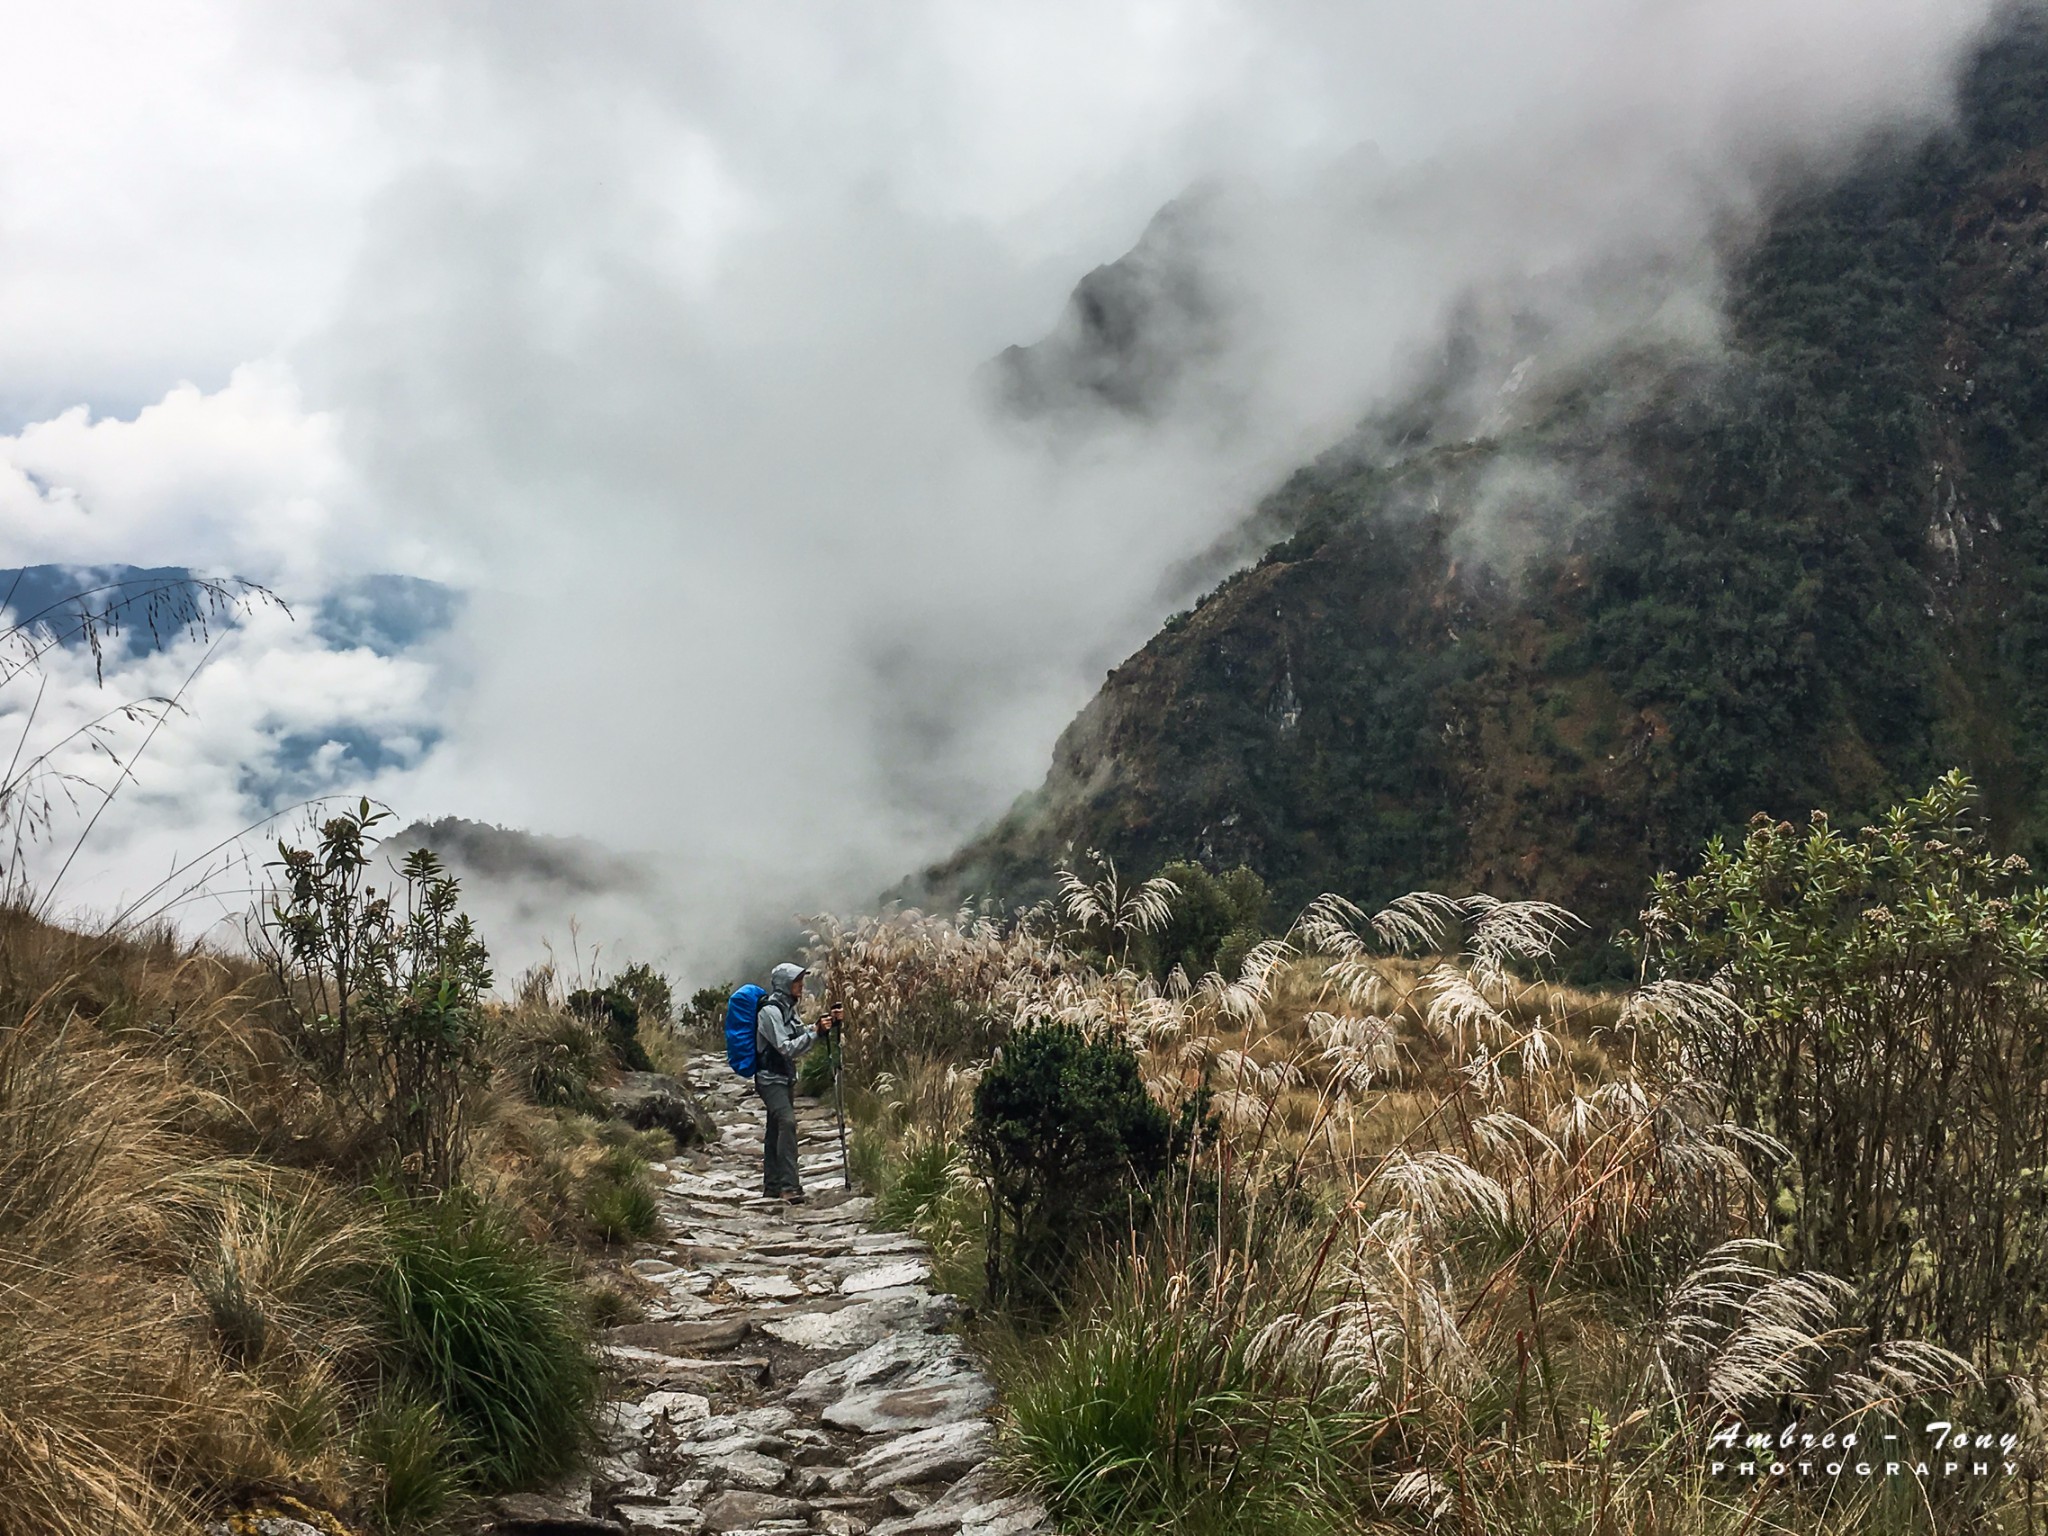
1467, 1252
172, 1326
203, 1298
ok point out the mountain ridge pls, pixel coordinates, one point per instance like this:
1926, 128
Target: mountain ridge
1667, 591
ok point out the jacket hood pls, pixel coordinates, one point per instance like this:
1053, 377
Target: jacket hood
783, 977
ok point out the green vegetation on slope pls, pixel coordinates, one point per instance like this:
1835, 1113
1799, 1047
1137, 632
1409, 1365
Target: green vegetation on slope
1674, 591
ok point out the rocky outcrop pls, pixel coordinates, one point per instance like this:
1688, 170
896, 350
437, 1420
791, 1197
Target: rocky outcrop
796, 1372
654, 1101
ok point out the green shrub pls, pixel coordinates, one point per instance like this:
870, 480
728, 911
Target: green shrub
619, 1203
1892, 1037
704, 1017
1214, 923
418, 1461
650, 992
486, 1328
379, 991
1065, 1141
814, 1069
618, 1014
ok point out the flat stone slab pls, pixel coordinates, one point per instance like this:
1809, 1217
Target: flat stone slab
677, 1407
650, 1369
514, 1514
916, 1405
892, 1359
737, 1511
685, 1338
909, 1380
847, 1328
710, 1253
765, 1287
659, 1519
679, 1304
937, 1455
754, 1471
974, 1506
885, 1277
859, 1208
757, 1421
624, 1425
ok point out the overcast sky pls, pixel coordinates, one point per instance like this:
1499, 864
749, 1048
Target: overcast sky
653, 328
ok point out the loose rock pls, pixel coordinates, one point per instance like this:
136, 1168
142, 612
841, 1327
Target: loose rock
651, 1101
738, 1511
933, 1455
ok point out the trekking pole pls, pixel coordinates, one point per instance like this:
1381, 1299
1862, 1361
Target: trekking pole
838, 1096
839, 1107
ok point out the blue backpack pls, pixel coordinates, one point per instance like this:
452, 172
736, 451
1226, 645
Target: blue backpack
742, 1009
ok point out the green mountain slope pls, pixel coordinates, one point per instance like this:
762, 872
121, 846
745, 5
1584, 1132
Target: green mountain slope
1660, 594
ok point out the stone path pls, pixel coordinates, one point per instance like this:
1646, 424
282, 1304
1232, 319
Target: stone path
796, 1373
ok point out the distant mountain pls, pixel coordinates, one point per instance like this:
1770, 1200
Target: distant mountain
1548, 648
1130, 330
571, 866
385, 613
566, 900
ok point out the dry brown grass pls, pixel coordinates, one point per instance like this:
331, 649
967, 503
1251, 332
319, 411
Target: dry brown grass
168, 1327
1300, 987
186, 1249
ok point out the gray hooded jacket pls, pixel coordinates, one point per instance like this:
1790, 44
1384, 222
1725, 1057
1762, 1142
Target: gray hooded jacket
779, 1039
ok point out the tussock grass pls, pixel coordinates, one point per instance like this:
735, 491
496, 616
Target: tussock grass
670, 1049
547, 1055
199, 1297
170, 1301
492, 1333
621, 1204
420, 1479
1150, 1417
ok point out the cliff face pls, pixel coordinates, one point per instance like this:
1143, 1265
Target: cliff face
1654, 595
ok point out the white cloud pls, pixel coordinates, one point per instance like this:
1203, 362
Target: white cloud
244, 479
654, 322
270, 717
181, 185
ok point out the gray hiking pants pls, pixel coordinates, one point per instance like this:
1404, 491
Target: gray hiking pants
778, 1146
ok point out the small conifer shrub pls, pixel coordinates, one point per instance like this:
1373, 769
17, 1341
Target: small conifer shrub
1066, 1142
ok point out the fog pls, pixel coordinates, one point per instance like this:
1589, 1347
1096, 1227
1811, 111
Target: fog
663, 331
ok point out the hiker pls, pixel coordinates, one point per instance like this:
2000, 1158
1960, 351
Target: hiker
780, 1038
